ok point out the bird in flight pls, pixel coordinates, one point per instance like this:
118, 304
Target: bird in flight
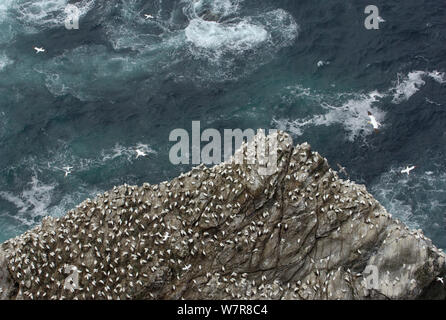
322, 63
408, 169
38, 50
342, 170
67, 170
148, 16
440, 279
373, 121
140, 153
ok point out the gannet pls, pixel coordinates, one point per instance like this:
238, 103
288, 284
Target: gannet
373, 121
140, 153
67, 170
148, 16
408, 169
39, 49
342, 169
186, 268
322, 63
440, 279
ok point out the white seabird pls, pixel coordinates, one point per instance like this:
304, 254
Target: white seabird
148, 16
67, 170
408, 169
322, 63
440, 279
373, 121
342, 170
140, 153
39, 49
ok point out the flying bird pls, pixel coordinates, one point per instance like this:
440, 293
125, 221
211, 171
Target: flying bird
148, 16
67, 170
321, 63
140, 153
373, 121
342, 170
408, 169
440, 279
38, 50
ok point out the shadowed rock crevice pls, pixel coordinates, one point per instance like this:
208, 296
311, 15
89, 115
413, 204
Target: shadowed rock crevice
227, 232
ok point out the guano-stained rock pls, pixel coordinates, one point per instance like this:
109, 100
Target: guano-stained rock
227, 232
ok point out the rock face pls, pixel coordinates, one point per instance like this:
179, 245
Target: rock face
227, 232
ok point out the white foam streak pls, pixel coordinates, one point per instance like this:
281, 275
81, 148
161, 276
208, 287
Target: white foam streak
222, 8
29, 16
32, 202
127, 153
37, 198
235, 36
217, 46
352, 114
4, 61
407, 86
419, 200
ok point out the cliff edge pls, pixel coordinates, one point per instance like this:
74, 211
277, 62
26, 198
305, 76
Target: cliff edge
227, 232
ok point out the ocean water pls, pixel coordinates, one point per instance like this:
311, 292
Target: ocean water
122, 82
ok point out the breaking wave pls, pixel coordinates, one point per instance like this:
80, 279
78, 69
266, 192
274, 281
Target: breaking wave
419, 200
350, 109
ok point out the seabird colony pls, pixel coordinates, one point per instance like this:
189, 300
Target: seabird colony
227, 232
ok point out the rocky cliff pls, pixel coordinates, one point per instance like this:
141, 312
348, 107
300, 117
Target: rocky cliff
227, 232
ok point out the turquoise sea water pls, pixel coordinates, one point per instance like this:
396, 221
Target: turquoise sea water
121, 82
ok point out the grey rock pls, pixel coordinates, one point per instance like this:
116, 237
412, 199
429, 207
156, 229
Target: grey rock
227, 232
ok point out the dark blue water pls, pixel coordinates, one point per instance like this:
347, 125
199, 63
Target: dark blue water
121, 83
